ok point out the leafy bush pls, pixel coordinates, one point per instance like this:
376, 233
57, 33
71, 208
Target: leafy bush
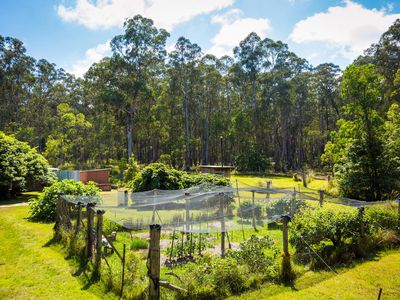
200, 178
245, 210
259, 254
382, 216
252, 160
214, 278
21, 166
131, 171
332, 232
283, 206
43, 208
161, 176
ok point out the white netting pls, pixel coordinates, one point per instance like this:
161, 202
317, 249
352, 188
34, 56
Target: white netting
206, 207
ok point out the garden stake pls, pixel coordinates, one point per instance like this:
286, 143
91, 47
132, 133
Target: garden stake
172, 245
221, 211
321, 198
253, 213
123, 271
240, 210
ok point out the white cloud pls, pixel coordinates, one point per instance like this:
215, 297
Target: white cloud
234, 29
349, 29
92, 55
111, 13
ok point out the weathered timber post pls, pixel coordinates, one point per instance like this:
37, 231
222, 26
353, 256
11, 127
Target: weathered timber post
221, 213
268, 196
57, 224
126, 198
154, 256
253, 211
361, 212
99, 242
293, 203
287, 274
285, 221
153, 217
321, 198
78, 218
90, 237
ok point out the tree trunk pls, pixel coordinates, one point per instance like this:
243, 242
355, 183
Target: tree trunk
187, 129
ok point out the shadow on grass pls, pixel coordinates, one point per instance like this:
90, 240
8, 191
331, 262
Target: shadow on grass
22, 198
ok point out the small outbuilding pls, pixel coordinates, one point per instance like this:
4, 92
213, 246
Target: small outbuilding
213, 169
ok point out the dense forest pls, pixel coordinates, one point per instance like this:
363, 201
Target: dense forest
263, 107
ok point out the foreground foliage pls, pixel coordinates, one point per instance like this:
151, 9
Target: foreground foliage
21, 166
43, 208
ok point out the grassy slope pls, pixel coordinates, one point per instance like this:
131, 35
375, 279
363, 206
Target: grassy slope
31, 270
360, 282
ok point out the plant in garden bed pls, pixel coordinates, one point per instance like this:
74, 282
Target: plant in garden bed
259, 254
138, 243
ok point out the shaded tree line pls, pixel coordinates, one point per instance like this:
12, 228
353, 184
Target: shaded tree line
145, 102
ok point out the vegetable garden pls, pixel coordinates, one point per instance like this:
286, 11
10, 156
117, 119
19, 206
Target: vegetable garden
211, 241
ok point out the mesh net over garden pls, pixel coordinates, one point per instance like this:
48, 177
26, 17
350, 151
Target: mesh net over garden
206, 207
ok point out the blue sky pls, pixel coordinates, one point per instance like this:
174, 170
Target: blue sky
75, 33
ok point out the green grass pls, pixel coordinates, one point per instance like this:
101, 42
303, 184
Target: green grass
361, 282
32, 270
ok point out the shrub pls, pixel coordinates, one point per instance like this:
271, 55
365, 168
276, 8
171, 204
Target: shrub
158, 176
283, 206
214, 278
131, 171
197, 179
252, 160
382, 216
21, 166
331, 232
245, 210
259, 254
43, 208
161, 176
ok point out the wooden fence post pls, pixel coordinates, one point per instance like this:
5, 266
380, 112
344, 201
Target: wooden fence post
221, 214
126, 198
78, 218
99, 242
268, 196
285, 221
57, 224
253, 211
321, 198
154, 257
90, 237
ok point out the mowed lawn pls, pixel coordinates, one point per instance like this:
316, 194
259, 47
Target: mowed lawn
361, 282
29, 269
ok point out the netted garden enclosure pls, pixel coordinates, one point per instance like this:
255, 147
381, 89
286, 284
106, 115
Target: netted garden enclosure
187, 222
